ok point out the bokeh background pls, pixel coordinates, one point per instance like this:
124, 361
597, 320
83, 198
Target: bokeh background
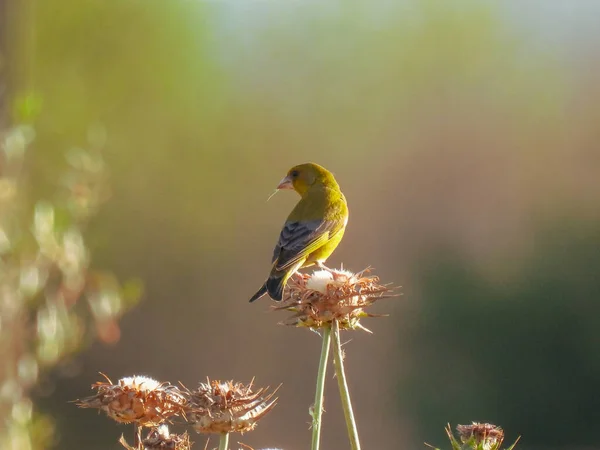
465, 136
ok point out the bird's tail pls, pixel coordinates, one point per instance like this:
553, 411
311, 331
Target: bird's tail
276, 282
273, 286
262, 291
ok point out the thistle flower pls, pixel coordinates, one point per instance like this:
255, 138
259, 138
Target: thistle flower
478, 436
224, 407
326, 295
138, 399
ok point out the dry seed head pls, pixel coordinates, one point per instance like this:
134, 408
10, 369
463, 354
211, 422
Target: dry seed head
486, 435
161, 439
224, 407
136, 399
318, 299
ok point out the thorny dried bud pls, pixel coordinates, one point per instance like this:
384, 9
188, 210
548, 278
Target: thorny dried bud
329, 295
478, 436
482, 432
136, 399
224, 407
159, 438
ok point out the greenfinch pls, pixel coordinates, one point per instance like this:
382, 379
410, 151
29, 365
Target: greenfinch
313, 229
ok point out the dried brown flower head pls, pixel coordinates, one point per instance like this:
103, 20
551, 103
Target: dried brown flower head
223, 407
328, 295
136, 399
486, 433
478, 436
161, 439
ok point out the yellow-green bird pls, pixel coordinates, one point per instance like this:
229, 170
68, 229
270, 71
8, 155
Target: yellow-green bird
313, 229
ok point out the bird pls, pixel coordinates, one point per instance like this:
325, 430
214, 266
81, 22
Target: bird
313, 229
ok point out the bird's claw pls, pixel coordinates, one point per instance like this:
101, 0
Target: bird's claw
322, 266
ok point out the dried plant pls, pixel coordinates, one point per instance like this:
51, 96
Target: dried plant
225, 407
331, 300
327, 295
491, 436
160, 438
213, 407
477, 436
136, 399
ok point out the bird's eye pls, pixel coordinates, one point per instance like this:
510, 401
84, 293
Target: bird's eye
294, 173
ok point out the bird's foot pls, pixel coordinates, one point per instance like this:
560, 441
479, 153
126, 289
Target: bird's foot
322, 266
296, 274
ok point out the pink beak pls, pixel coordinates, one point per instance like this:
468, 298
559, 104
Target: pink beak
285, 183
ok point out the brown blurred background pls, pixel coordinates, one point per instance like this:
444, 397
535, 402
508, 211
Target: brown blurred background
465, 136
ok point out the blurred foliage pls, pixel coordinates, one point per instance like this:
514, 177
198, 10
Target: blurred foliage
51, 304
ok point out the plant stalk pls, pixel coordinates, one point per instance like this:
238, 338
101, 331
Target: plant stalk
318, 405
224, 441
338, 359
137, 436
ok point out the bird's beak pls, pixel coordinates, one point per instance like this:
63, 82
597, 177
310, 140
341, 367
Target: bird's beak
285, 183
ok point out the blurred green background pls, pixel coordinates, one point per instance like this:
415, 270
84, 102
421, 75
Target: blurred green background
465, 136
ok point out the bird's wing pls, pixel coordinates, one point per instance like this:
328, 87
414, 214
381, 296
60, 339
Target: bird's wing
298, 239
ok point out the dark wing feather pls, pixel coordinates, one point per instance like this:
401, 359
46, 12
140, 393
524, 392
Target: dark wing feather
299, 239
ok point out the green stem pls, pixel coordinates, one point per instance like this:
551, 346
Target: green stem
224, 441
318, 405
338, 359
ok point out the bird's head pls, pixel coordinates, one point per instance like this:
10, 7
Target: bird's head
303, 177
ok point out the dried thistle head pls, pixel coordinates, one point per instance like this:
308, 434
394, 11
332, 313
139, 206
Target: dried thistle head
224, 407
326, 295
491, 435
160, 438
136, 399
478, 436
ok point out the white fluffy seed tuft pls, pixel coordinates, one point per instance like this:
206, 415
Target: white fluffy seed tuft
140, 382
319, 281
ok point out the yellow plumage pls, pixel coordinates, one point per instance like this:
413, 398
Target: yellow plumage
313, 229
